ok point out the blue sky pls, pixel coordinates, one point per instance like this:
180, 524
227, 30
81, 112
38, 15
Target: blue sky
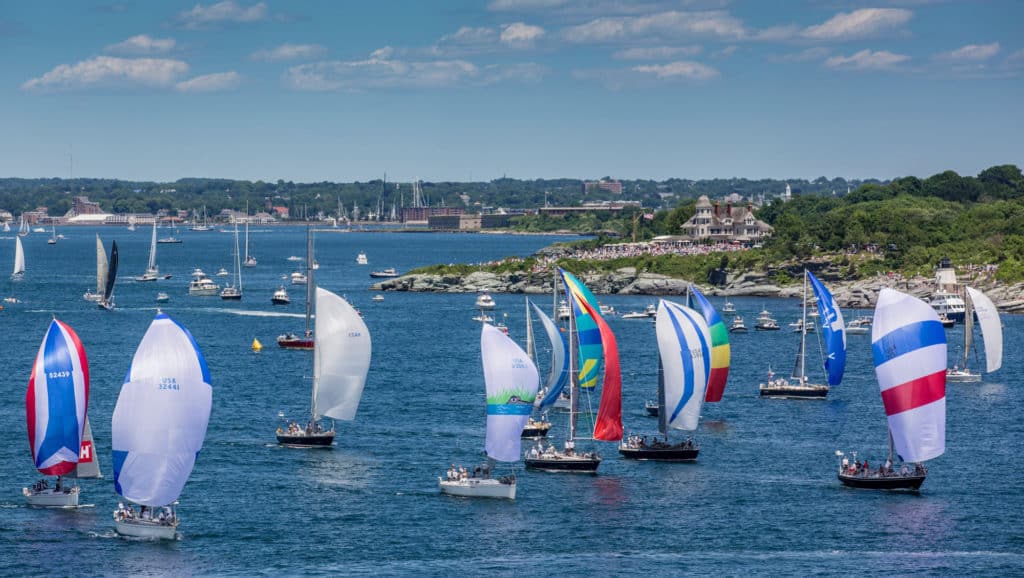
348, 90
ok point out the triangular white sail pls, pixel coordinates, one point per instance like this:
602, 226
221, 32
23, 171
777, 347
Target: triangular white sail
559, 374
991, 328
151, 266
88, 461
909, 347
101, 266
161, 415
511, 380
684, 344
19, 258
341, 357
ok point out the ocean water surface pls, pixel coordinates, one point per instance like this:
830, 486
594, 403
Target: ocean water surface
763, 497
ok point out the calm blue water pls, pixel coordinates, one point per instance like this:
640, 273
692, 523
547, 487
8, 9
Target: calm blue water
763, 498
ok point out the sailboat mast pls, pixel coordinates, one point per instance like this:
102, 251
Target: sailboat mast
662, 410
968, 328
238, 261
573, 377
803, 335
310, 288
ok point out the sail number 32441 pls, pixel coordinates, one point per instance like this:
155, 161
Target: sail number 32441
169, 383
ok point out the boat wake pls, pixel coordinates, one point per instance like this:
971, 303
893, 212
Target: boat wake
254, 313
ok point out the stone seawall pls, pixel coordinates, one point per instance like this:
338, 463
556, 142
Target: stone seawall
853, 294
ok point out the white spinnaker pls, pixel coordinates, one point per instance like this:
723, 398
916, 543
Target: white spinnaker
511, 381
684, 343
341, 357
991, 328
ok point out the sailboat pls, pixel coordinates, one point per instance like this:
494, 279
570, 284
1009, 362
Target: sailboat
909, 347
511, 382
250, 261
720, 351
131, 223
7, 227
152, 271
290, 340
834, 333
107, 302
684, 369
201, 227
234, 291
53, 237
22, 227
19, 260
978, 304
590, 340
158, 428
558, 374
101, 273
341, 360
55, 409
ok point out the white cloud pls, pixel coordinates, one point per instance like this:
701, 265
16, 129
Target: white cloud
657, 52
289, 52
381, 71
806, 55
520, 34
226, 11
858, 24
867, 60
971, 52
142, 44
662, 25
108, 70
500, 5
210, 82
684, 69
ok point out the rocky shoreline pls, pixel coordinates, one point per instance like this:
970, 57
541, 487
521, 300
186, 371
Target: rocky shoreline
861, 293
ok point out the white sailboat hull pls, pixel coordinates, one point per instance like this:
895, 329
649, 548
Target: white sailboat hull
146, 529
51, 498
478, 488
962, 376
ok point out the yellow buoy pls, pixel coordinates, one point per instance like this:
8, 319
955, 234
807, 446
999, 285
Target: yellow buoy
256, 345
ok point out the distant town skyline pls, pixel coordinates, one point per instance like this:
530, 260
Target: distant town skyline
474, 90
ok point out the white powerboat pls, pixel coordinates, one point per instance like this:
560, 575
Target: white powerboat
504, 487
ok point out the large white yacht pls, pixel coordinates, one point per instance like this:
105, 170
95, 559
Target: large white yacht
947, 299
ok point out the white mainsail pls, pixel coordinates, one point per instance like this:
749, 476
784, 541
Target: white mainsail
991, 328
511, 381
19, 258
101, 266
161, 415
151, 266
684, 344
341, 357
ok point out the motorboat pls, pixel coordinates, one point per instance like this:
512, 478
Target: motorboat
361, 259
484, 301
280, 297
222, 272
385, 274
377, 298
737, 325
563, 310
298, 278
202, 286
728, 307
859, 326
162, 297
471, 487
799, 325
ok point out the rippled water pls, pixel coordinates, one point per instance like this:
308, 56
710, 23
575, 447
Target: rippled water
762, 498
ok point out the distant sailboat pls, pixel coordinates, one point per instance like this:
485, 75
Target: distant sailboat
511, 381
834, 332
152, 271
909, 346
19, 260
22, 227
250, 261
56, 404
233, 291
107, 302
341, 360
684, 369
101, 273
978, 304
305, 341
158, 427
53, 237
7, 227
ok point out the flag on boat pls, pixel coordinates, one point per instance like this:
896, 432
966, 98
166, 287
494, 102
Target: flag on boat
720, 351
684, 344
56, 401
511, 382
909, 347
833, 329
587, 334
